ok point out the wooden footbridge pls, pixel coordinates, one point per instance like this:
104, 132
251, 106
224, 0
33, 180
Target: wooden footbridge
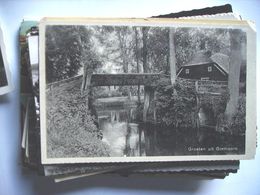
127, 79
148, 80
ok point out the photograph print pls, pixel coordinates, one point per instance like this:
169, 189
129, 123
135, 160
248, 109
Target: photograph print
5, 85
3, 77
124, 93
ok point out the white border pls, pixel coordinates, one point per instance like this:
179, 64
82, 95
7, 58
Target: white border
9, 87
250, 142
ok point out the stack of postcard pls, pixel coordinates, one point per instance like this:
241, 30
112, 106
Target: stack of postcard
138, 96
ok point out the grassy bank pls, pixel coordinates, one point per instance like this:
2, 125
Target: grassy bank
71, 130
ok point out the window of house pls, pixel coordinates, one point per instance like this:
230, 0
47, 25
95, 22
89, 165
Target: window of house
187, 71
204, 78
210, 69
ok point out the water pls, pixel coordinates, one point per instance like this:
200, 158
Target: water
126, 137
123, 136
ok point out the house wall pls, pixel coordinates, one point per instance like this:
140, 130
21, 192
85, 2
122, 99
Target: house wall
201, 71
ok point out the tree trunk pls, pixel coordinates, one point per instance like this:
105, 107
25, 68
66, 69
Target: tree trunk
234, 72
145, 65
172, 58
146, 70
137, 61
123, 46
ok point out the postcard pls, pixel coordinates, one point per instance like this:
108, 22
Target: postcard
5, 77
146, 90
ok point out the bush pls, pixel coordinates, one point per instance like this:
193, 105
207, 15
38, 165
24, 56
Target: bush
217, 104
175, 105
71, 129
178, 105
237, 125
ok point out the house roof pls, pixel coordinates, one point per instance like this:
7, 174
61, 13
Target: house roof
222, 60
201, 57
205, 57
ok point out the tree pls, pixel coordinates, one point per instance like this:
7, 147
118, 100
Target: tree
234, 71
158, 49
144, 49
90, 59
146, 70
63, 51
189, 41
136, 49
172, 58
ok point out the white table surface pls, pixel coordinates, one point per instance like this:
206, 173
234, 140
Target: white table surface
15, 181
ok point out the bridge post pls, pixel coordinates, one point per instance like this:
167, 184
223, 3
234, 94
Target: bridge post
154, 109
146, 103
86, 81
148, 96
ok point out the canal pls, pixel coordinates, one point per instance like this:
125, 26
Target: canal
127, 136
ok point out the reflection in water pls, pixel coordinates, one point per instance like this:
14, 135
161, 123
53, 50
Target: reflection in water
125, 137
122, 135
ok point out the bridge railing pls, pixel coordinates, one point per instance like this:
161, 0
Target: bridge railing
205, 86
212, 87
114, 79
64, 81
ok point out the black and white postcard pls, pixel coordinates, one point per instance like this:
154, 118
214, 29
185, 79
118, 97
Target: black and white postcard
139, 90
5, 82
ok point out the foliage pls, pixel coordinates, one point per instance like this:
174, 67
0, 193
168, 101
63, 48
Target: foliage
71, 129
189, 41
237, 124
179, 105
62, 50
176, 105
122, 48
116, 48
68, 49
217, 104
158, 49
103, 92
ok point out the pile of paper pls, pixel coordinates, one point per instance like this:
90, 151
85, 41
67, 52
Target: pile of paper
138, 96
